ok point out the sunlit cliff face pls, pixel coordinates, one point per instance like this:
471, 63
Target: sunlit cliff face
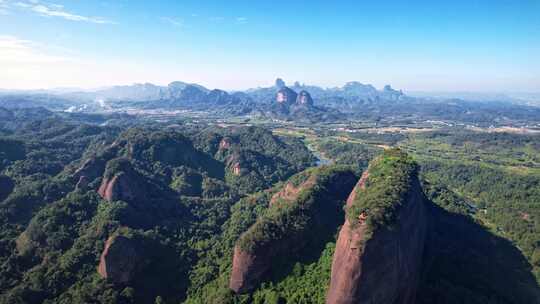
281, 97
304, 98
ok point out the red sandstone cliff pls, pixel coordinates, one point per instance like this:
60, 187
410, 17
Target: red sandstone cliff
305, 221
249, 267
290, 191
384, 268
286, 96
118, 187
122, 183
119, 260
304, 98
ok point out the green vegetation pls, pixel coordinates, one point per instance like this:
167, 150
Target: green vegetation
314, 215
209, 276
390, 177
507, 202
356, 155
53, 234
310, 212
491, 177
517, 151
484, 243
305, 284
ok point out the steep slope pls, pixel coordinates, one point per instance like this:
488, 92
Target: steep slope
290, 105
6, 186
164, 196
379, 249
291, 224
255, 159
122, 182
466, 263
119, 260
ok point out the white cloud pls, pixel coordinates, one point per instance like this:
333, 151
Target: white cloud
241, 20
55, 10
3, 8
174, 21
15, 51
27, 64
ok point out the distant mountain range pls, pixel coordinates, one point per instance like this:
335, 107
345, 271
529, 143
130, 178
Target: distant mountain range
523, 98
297, 102
181, 90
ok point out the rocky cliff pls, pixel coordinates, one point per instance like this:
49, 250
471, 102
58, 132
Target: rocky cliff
291, 191
304, 98
121, 182
119, 260
286, 96
92, 168
292, 223
379, 249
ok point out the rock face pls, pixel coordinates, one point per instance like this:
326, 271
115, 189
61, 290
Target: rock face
225, 143
286, 96
308, 219
304, 98
117, 188
236, 169
391, 94
121, 182
290, 191
119, 260
91, 169
382, 267
94, 167
249, 268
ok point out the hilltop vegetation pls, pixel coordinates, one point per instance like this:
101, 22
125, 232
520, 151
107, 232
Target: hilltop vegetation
181, 196
388, 182
54, 227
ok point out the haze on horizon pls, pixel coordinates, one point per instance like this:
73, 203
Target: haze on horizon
489, 46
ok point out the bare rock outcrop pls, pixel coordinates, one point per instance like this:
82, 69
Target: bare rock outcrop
236, 169
290, 191
122, 182
310, 218
235, 164
304, 98
379, 265
286, 96
225, 143
119, 260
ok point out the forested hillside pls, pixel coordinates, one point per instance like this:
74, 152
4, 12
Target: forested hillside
70, 188
145, 212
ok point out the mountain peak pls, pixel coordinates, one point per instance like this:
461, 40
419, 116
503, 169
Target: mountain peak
286, 96
280, 83
304, 98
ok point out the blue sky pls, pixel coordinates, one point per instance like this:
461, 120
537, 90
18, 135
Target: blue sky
490, 46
